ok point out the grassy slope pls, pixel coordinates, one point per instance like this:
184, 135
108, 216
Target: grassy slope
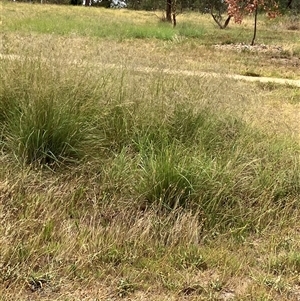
96, 224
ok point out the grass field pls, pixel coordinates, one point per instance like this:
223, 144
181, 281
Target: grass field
120, 181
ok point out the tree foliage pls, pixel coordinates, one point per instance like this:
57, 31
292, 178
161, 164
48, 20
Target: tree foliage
238, 8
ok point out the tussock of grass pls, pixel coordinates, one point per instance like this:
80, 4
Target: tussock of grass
46, 118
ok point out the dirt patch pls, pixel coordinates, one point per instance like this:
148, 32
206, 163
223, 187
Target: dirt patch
287, 61
261, 48
282, 59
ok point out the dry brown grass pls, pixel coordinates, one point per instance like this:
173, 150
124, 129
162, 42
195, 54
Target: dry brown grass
105, 253
161, 54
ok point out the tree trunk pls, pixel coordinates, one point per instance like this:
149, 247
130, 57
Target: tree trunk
174, 12
169, 11
174, 19
227, 22
255, 26
289, 4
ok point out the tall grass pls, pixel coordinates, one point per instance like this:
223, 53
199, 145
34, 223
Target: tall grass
46, 117
179, 154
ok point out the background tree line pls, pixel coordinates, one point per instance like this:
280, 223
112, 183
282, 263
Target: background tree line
203, 6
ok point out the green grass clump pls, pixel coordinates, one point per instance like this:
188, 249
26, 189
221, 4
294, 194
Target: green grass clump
46, 132
167, 178
44, 117
216, 163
